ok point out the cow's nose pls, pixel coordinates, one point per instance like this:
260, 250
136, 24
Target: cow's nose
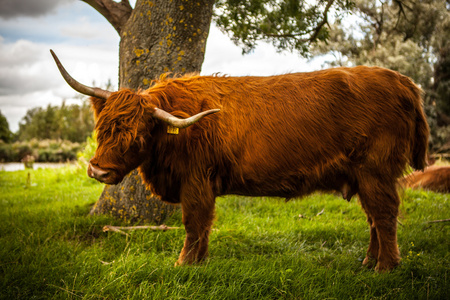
97, 173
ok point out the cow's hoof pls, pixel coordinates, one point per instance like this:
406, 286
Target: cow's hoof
178, 263
386, 267
369, 262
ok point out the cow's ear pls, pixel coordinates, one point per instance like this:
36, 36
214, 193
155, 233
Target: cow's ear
97, 105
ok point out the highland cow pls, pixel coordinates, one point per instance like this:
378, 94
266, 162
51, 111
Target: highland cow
352, 130
434, 178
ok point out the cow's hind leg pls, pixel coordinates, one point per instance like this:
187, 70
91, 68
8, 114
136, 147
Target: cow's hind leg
198, 213
372, 252
380, 201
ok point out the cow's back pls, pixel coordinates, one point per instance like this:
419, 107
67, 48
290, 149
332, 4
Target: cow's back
289, 134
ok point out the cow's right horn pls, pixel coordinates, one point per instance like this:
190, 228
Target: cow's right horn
81, 88
180, 123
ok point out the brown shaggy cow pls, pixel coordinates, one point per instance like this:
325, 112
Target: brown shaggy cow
434, 178
353, 130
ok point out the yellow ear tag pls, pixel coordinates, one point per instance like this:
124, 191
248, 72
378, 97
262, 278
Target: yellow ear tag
172, 130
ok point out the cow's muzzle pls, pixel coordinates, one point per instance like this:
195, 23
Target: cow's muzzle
99, 174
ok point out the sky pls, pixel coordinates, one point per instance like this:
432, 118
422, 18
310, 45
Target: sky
88, 47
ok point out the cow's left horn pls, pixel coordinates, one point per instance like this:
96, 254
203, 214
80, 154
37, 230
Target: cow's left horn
180, 123
81, 88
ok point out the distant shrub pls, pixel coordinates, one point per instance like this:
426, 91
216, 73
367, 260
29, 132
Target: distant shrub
41, 150
21, 150
5, 152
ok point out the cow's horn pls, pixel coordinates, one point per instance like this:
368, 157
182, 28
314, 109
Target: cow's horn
180, 123
81, 88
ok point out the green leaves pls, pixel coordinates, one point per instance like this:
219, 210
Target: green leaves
67, 122
287, 24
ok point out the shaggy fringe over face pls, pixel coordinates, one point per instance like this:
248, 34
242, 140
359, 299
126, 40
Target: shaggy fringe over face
119, 122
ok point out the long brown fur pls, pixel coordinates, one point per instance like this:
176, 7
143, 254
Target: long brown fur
434, 178
352, 130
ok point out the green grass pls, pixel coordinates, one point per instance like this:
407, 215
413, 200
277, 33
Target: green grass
260, 248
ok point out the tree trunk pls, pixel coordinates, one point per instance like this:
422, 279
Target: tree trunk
132, 202
157, 37
163, 36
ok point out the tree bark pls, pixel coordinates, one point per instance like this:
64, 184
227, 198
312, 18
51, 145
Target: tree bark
117, 13
156, 37
163, 36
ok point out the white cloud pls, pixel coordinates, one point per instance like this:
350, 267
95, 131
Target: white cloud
21, 68
28, 67
84, 28
30, 78
19, 53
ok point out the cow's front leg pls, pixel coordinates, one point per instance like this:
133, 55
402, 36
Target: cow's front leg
198, 214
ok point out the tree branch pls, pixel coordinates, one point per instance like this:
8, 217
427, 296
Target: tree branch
322, 23
315, 31
119, 229
117, 13
438, 221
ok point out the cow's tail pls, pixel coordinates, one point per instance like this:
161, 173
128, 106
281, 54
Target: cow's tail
419, 154
418, 159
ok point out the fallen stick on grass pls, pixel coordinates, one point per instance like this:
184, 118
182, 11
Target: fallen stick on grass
438, 221
119, 229
320, 212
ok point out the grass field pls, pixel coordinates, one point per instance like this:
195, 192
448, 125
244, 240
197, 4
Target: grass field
260, 248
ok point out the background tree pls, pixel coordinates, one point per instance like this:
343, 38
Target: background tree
287, 25
410, 36
5, 134
162, 36
66, 122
